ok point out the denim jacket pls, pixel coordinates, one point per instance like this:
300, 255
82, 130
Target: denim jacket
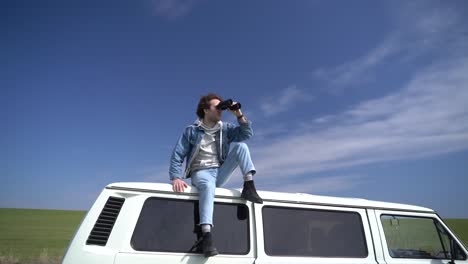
188, 145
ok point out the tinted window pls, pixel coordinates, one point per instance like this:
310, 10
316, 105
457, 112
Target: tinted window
313, 233
417, 237
171, 226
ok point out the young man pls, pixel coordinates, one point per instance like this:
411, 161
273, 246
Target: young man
211, 159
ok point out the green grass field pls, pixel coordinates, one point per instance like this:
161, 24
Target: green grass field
460, 227
27, 234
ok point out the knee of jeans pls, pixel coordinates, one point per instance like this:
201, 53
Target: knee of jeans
206, 186
240, 146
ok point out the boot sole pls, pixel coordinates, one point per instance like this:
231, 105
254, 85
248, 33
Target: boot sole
210, 253
259, 202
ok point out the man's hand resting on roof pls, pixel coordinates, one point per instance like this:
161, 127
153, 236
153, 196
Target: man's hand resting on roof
178, 185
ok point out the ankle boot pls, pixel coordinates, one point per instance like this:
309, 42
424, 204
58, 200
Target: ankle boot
250, 193
207, 245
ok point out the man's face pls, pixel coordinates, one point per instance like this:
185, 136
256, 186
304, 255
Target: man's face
213, 114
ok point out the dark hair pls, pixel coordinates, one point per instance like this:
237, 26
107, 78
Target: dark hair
204, 103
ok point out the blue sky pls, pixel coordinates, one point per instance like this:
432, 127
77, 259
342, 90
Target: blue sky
358, 99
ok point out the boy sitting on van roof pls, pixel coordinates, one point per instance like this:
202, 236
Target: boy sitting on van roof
211, 159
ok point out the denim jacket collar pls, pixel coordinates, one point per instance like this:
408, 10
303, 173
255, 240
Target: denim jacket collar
197, 123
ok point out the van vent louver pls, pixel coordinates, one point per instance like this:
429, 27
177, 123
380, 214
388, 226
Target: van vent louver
106, 220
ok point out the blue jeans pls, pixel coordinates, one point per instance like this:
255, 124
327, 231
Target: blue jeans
207, 180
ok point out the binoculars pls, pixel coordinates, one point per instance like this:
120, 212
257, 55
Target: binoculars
228, 104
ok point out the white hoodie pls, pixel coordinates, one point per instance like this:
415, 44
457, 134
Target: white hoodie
207, 156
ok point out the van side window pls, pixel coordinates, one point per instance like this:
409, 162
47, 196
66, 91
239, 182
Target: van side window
170, 225
417, 238
313, 233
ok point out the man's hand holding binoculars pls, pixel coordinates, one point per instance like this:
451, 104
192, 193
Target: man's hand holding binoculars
233, 107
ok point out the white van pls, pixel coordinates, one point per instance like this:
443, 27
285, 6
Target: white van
147, 223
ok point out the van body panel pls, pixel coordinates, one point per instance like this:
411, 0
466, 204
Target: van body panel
302, 198
154, 258
376, 238
78, 252
295, 217
88, 255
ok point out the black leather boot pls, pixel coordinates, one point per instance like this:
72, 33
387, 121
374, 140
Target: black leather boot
250, 193
207, 245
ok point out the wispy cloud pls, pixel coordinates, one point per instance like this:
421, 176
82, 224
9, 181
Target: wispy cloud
428, 116
271, 131
288, 98
418, 29
173, 9
315, 185
356, 71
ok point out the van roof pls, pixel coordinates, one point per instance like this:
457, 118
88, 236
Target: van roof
298, 198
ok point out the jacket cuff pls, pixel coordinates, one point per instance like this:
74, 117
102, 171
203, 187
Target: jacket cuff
248, 123
173, 178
